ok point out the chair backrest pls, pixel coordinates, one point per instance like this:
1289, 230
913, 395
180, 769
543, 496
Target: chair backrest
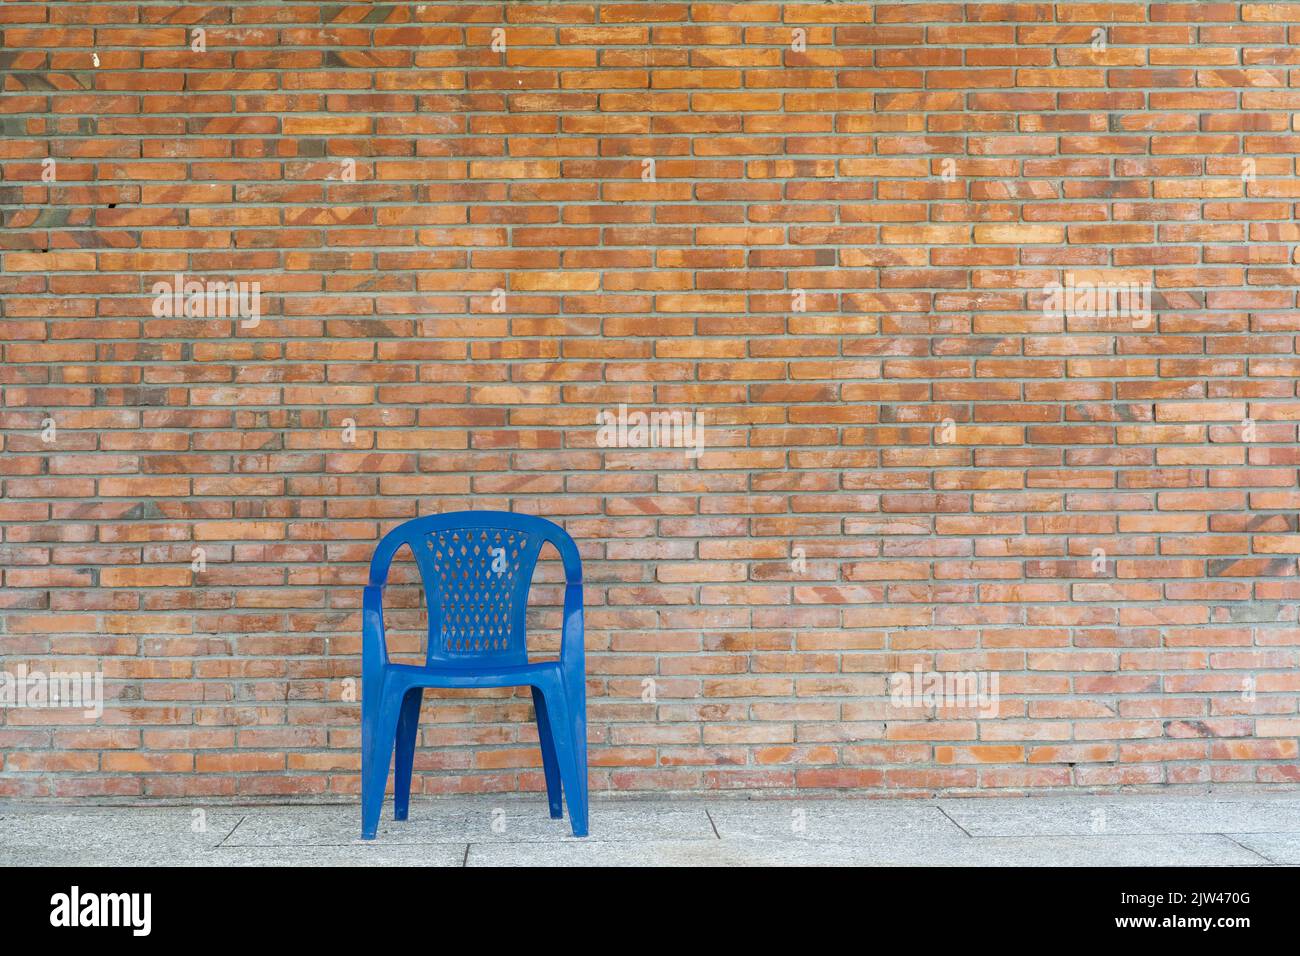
476, 567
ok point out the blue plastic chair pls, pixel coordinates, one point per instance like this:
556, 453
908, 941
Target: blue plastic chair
477, 567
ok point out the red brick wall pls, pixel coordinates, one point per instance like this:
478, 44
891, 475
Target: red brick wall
1099, 509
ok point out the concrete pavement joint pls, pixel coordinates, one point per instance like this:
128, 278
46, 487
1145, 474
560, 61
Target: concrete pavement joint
232, 831
1251, 849
712, 824
950, 818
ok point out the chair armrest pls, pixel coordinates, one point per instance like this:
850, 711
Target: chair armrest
374, 649
572, 649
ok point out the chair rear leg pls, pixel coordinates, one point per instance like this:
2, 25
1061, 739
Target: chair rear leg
408, 729
378, 733
550, 765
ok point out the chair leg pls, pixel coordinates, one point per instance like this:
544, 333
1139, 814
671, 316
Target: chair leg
571, 754
579, 719
408, 729
378, 735
549, 763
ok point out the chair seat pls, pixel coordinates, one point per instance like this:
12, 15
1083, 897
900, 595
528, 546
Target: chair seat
506, 675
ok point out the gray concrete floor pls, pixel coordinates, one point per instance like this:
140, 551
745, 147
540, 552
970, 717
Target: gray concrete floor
1259, 829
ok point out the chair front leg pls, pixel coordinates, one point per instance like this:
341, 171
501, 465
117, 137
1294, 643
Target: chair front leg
573, 691
379, 714
580, 746
376, 737
570, 752
576, 693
